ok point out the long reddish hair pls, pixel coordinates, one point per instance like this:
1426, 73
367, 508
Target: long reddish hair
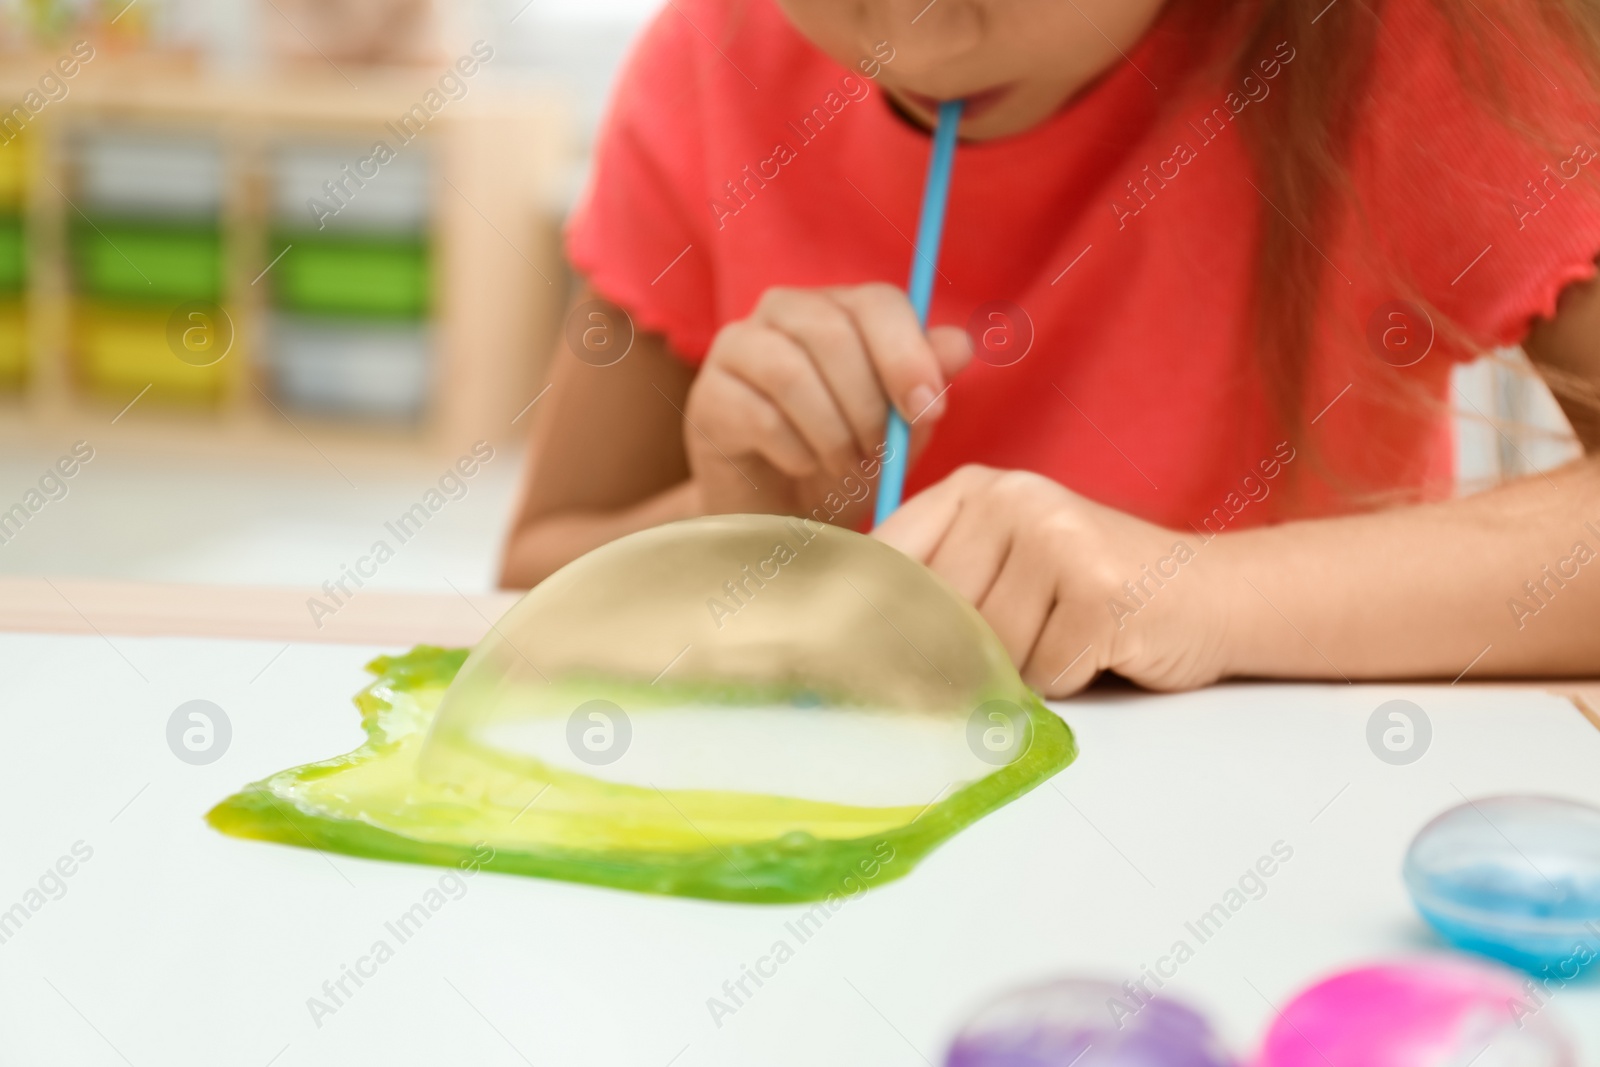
1301, 145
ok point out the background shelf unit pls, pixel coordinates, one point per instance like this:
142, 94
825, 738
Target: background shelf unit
15, 168
418, 316
144, 239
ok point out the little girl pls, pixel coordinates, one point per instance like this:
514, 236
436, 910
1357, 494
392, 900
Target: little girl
1184, 409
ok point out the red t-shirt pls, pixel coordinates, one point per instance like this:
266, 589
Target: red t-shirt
737, 157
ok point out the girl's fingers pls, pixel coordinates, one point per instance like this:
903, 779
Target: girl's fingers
973, 550
921, 434
822, 326
775, 365
952, 347
1018, 603
901, 354
744, 421
980, 530
951, 528
807, 382
1064, 659
920, 524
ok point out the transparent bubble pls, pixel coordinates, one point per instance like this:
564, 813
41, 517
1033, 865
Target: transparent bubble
598, 732
754, 654
998, 731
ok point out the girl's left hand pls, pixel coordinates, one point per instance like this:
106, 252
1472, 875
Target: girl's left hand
1071, 587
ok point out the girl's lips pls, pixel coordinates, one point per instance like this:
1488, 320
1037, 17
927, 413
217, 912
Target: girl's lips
972, 106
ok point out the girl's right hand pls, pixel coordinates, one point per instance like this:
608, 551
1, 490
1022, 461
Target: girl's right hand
792, 403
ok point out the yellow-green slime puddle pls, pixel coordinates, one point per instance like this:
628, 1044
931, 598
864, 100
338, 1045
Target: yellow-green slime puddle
551, 823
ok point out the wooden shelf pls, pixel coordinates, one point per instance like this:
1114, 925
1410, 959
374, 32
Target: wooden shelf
499, 281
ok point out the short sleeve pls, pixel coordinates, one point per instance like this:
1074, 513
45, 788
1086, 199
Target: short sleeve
635, 232
1486, 216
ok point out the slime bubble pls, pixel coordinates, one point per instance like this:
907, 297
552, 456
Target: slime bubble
743, 708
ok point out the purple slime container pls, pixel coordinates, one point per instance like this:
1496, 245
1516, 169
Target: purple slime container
1082, 1022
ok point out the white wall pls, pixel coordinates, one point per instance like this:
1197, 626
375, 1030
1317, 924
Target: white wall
1507, 422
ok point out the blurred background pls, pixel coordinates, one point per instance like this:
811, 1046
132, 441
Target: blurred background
277, 267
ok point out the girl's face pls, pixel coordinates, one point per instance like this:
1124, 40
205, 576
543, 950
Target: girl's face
1013, 61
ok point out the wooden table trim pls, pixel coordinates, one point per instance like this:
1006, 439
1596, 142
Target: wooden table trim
368, 617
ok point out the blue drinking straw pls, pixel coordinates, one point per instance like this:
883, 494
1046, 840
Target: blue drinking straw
924, 264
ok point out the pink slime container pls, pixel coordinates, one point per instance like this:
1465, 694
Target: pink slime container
1423, 1013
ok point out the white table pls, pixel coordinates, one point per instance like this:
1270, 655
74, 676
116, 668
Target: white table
177, 945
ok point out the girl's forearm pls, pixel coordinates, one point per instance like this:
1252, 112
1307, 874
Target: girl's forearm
541, 545
1506, 582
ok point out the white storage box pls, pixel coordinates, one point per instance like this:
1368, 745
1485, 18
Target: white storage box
150, 173
392, 196
369, 368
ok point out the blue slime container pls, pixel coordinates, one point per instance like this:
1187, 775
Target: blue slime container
1515, 878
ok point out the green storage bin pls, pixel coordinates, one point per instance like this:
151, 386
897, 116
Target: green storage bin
147, 261
371, 275
13, 255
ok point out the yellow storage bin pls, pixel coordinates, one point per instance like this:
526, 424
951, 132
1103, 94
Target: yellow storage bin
13, 169
13, 343
123, 349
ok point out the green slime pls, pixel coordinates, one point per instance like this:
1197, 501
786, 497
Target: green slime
711, 844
